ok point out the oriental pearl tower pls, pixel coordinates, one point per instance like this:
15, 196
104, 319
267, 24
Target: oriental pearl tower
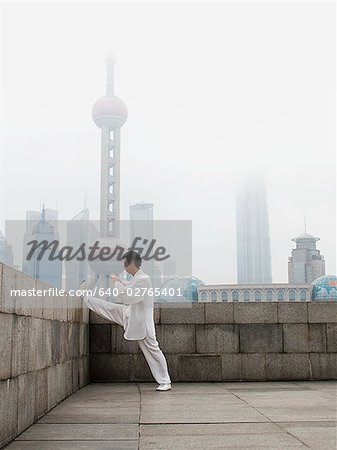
109, 114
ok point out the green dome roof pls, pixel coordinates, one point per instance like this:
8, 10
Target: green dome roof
180, 289
324, 288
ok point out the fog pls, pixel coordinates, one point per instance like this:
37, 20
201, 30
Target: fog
215, 91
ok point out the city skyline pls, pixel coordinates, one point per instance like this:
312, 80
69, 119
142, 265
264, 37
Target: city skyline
189, 151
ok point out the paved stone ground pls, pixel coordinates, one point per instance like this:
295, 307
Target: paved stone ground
254, 415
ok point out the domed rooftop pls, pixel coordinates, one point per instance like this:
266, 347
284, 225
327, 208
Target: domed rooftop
324, 288
109, 111
180, 289
306, 236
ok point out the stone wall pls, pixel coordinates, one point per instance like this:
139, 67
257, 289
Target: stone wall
44, 344
226, 341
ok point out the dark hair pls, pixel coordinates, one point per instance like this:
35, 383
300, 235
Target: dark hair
133, 256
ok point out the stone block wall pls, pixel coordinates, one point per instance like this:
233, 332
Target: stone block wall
225, 341
44, 345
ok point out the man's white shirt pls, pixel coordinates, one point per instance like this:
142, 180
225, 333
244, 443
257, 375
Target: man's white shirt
139, 312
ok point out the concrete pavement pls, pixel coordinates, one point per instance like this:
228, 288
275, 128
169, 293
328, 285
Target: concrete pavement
224, 415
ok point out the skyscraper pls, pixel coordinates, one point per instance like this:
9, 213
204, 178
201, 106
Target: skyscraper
141, 226
305, 263
77, 233
32, 219
6, 251
45, 269
141, 220
109, 114
252, 233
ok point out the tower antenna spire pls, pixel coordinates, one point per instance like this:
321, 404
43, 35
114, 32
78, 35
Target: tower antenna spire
84, 200
110, 66
305, 226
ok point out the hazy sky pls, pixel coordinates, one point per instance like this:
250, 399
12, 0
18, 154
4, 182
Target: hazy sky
214, 91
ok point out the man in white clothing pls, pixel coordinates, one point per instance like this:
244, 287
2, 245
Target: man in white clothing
135, 315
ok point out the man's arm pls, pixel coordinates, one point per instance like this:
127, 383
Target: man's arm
132, 292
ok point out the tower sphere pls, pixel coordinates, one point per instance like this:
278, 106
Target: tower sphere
103, 265
109, 111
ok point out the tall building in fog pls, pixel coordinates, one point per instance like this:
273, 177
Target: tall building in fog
141, 220
6, 251
306, 262
44, 269
77, 234
252, 233
141, 225
32, 219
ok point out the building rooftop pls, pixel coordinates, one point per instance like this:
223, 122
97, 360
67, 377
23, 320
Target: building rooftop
306, 237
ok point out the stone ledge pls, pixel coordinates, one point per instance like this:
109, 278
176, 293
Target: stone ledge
100, 338
244, 366
96, 319
292, 312
196, 367
8, 410
112, 367
322, 312
287, 366
6, 332
304, 337
178, 313
219, 312
261, 338
323, 366
176, 338
255, 312
331, 334
66, 308
217, 338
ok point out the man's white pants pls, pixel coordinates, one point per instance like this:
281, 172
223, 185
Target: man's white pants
117, 313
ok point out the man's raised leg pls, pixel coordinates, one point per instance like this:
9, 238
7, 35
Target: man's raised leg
109, 310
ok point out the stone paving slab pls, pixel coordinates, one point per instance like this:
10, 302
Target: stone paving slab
109, 388
329, 387
299, 413
261, 385
206, 441
203, 414
197, 429
93, 415
234, 415
287, 399
314, 434
70, 445
98, 401
172, 398
89, 432
98, 397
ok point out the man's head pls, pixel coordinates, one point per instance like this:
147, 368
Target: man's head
132, 262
